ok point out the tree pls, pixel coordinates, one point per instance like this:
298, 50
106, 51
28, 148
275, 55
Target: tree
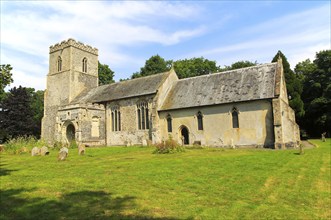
153, 65
238, 65
106, 75
5, 78
37, 106
304, 68
293, 86
317, 93
16, 114
195, 67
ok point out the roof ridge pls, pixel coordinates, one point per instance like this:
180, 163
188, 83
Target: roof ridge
144, 77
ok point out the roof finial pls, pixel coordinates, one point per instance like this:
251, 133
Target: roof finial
279, 59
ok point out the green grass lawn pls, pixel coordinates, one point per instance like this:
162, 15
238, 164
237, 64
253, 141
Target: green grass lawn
133, 183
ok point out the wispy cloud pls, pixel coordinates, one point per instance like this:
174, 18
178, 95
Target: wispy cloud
307, 31
127, 32
30, 27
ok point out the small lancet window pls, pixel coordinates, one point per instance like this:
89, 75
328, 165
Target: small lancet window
200, 120
139, 119
143, 116
115, 119
84, 65
59, 64
235, 119
169, 123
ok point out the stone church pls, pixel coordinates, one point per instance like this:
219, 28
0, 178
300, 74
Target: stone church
246, 107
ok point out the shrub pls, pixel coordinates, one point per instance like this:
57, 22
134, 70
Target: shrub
167, 147
22, 144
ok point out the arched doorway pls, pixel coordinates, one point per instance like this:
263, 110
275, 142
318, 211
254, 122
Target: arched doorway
70, 132
185, 134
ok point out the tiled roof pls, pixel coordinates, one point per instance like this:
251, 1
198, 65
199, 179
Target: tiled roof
251, 83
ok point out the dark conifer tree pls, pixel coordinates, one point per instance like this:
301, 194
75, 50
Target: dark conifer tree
16, 115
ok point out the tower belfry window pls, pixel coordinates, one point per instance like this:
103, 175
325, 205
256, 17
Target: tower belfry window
59, 64
84, 65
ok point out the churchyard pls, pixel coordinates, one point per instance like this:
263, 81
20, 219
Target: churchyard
200, 183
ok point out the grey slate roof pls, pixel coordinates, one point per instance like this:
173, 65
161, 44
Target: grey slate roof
251, 83
125, 89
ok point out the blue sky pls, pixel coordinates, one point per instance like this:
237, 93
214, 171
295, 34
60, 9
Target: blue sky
127, 33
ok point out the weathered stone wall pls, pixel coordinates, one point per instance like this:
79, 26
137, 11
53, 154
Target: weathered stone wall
64, 85
158, 101
255, 124
286, 130
129, 134
82, 117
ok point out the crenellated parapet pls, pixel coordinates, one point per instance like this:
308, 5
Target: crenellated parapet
74, 43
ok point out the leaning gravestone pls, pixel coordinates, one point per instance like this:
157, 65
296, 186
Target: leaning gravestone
44, 151
63, 154
323, 136
35, 151
81, 149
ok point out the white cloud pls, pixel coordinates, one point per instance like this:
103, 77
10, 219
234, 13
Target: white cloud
30, 28
120, 28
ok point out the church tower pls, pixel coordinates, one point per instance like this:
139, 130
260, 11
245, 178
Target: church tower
73, 68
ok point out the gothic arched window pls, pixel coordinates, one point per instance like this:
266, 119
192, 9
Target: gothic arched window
169, 123
143, 117
115, 118
200, 121
235, 118
59, 64
84, 65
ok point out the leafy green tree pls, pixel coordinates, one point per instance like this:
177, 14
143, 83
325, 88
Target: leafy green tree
238, 65
16, 114
106, 75
304, 68
195, 67
317, 93
153, 65
293, 85
37, 106
5, 78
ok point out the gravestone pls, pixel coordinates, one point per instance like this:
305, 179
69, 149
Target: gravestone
44, 151
81, 149
63, 154
323, 136
35, 151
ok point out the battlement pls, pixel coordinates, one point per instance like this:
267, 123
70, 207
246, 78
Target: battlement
74, 43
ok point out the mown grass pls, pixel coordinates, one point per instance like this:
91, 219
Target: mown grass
134, 183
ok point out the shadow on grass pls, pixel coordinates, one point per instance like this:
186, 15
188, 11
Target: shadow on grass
5, 171
77, 205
